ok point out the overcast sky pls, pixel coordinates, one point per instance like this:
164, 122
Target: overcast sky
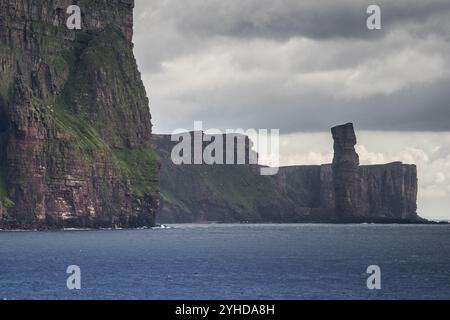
302, 66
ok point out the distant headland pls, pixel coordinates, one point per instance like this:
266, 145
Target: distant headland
341, 192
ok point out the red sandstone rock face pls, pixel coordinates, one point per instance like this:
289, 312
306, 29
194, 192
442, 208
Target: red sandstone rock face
76, 143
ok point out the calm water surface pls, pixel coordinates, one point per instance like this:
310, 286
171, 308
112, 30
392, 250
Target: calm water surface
229, 262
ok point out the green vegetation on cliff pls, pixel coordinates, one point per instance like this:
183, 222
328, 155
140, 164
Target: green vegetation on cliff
83, 135
78, 112
231, 193
106, 63
142, 166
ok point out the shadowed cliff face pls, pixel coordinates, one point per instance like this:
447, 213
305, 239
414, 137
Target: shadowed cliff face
346, 176
75, 134
342, 192
381, 192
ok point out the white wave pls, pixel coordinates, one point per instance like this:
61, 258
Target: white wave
77, 229
162, 227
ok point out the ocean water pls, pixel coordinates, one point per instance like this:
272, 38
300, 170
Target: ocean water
229, 262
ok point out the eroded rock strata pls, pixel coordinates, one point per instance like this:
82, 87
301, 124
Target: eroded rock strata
342, 192
75, 127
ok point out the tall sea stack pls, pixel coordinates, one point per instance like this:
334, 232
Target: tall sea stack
345, 171
75, 127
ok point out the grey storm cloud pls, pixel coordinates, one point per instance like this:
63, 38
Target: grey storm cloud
423, 109
283, 19
296, 65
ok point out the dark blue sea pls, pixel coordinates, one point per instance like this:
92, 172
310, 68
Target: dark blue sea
229, 262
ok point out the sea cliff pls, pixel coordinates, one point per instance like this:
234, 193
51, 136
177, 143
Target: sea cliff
342, 192
75, 127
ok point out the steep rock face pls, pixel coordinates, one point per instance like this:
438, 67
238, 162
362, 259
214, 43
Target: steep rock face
307, 189
379, 193
342, 192
389, 191
75, 128
216, 193
346, 176
238, 193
